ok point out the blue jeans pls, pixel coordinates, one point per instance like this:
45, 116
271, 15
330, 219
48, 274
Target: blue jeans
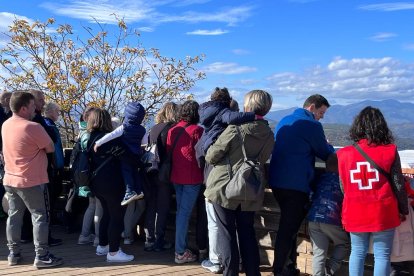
186, 196
132, 177
382, 245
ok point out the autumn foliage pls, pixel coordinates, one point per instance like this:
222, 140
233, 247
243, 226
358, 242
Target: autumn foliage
105, 69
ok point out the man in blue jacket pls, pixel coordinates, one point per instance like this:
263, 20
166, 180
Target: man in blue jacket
299, 138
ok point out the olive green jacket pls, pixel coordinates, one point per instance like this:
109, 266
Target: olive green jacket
227, 150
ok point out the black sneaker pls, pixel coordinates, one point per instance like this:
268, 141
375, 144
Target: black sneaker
46, 261
14, 258
54, 242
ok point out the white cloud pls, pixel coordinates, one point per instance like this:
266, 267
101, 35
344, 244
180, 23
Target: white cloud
229, 16
189, 2
397, 6
350, 79
409, 46
228, 68
102, 10
381, 37
6, 20
208, 32
144, 11
240, 52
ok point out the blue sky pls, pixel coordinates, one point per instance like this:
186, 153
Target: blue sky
345, 50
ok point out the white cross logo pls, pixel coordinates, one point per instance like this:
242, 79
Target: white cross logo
357, 176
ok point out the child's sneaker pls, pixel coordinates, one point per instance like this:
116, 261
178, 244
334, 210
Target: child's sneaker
128, 198
46, 261
102, 250
119, 257
140, 196
14, 259
86, 239
186, 257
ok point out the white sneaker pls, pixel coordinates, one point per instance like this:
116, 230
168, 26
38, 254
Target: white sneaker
86, 239
119, 257
128, 241
102, 250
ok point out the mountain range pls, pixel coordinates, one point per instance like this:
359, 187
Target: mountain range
395, 112
338, 118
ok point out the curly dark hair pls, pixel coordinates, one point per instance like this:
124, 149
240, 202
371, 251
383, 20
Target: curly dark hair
370, 124
221, 95
189, 112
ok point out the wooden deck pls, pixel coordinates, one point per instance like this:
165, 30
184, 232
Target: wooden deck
82, 260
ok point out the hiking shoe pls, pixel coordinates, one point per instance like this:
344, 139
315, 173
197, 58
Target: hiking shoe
214, 268
14, 258
46, 261
128, 241
128, 198
186, 257
162, 245
102, 250
119, 257
86, 239
149, 246
55, 242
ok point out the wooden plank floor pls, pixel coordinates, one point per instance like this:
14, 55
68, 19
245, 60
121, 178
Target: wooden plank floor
82, 260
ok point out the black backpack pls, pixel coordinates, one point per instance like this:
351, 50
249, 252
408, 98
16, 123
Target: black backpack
80, 164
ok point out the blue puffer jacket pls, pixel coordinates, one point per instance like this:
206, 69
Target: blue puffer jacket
215, 116
327, 200
299, 138
133, 130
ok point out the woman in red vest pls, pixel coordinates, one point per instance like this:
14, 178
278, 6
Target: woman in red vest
374, 204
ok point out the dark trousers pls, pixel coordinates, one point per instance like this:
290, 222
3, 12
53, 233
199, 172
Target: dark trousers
112, 221
201, 223
229, 223
293, 207
157, 199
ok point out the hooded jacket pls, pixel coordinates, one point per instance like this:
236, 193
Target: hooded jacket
215, 116
227, 149
133, 131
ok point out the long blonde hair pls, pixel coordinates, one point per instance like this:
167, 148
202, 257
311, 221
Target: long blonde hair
168, 113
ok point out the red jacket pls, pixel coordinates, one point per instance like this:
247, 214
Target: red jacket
185, 168
369, 203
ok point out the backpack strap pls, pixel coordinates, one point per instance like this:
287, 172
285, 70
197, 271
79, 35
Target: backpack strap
241, 138
375, 165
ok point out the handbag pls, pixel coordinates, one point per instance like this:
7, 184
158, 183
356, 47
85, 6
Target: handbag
164, 172
247, 183
151, 158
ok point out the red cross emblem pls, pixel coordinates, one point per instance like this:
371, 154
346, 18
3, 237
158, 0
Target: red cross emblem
364, 177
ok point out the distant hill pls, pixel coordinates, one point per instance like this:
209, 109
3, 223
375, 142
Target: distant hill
400, 117
395, 112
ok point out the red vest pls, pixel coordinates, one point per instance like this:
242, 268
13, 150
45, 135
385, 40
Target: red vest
369, 203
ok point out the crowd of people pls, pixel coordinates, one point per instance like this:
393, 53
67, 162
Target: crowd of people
360, 195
